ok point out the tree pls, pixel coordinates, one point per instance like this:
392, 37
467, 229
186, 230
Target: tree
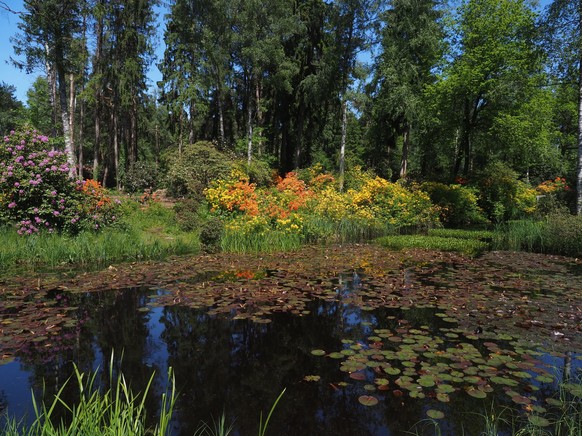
48, 42
563, 22
10, 109
39, 110
411, 46
495, 67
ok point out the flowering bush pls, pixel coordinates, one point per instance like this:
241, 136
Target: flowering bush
557, 185
286, 206
38, 194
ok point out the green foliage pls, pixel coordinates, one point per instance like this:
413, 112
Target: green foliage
38, 194
192, 171
140, 176
457, 204
187, 215
502, 195
470, 247
211, 233
10, 109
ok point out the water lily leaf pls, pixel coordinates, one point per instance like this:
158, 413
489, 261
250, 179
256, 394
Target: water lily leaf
435, 414
318, 352
519, 399
358, 376
538, 421
312, 378
368, 400
336, 355
370, 388
476, 393
574, 389
443, 398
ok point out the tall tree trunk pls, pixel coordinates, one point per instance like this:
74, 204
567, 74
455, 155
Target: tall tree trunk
191, 113
342, 156
98, 96
52, 83
80, 157
259, 115
579, 175
72, 118
115, 144
69, 146
132, 155
220, 118
405, 150
249, 127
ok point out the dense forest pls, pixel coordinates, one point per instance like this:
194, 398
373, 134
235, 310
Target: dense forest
419, 89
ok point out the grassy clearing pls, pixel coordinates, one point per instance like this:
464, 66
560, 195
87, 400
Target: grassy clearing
469, 247
144, 233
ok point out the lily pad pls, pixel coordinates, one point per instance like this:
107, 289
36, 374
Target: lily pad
538, 421
318, 352
368, 400
435, 414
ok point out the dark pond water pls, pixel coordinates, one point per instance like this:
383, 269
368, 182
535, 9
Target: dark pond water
332, 350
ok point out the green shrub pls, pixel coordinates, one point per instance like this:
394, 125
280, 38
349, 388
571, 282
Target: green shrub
211, 233
192, 171
502, 196
187, 215
141, 176
457, 204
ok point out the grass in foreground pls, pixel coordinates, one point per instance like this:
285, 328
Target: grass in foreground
144, 233
118, 411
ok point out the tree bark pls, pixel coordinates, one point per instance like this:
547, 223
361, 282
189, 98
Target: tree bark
405, 149
579, 169
69, 147
249, 127
72, 118
52, 83
342, 156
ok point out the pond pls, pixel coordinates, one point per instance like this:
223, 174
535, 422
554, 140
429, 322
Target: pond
364, 340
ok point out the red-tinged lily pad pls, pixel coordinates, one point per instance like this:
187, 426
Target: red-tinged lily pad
538, 421
318, 352
435, 414
358, 376
520, 399
368, 400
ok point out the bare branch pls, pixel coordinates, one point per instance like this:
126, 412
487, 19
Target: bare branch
7, 8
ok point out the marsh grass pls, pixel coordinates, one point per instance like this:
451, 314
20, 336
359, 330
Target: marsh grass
256, 242
469, 247
557, 233
144, 233
117, 411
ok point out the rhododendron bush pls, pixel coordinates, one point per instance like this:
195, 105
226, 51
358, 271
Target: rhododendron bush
290, 202
37, 193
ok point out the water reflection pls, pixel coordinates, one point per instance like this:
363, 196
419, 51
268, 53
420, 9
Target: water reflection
237, 366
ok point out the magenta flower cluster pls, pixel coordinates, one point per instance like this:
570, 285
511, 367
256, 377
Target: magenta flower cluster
36, 192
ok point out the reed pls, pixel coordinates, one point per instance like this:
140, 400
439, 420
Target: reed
469, 247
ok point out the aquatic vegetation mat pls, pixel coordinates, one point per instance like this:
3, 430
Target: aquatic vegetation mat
426, 325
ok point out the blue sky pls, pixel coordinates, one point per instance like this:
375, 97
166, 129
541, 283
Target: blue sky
22, 81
